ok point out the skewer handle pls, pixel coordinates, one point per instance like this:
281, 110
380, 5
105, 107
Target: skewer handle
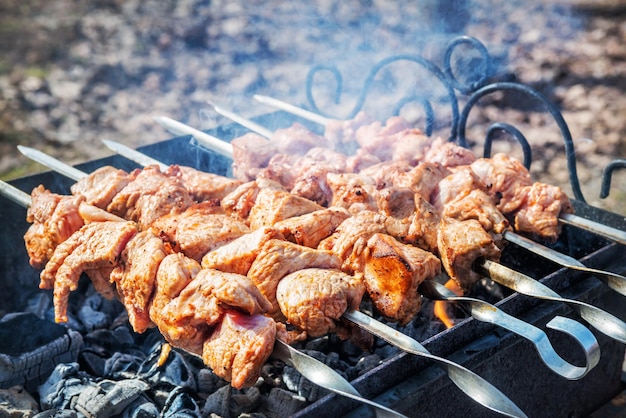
14, 194
208, 141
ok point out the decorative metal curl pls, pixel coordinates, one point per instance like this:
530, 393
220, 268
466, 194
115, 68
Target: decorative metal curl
483, 78
556, 115
515, 133
428, 65
606, 176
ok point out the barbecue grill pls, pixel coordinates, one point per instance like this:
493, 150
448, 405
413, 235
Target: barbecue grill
406, 383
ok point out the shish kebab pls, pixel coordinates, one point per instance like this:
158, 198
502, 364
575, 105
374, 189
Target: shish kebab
313, 369
568, 218
609, 325
479, 309
615, 281
466, 380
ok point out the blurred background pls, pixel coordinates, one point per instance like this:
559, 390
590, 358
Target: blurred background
73, 72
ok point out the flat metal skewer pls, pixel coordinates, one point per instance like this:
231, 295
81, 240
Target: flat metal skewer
597, 228
603, 321
487, 395
318, 372
209, 141
489, 313
241, 120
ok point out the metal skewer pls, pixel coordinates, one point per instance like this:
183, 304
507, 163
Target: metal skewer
597, 228
477, 388
209, 141
486, 312
603, 321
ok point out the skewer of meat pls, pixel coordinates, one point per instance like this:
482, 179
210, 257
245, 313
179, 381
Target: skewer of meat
333, 126
487, 394
538, 208
549, 355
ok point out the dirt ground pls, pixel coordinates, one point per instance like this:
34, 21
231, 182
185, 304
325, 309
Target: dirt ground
73, 72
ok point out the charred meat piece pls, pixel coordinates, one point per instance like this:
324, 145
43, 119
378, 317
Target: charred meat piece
94, 246
277, 258
54, 218
311, 228
314, 299
239, 346
135, 276
392, 273
150, 195
101, 185
461, 243
238, 255
199, 229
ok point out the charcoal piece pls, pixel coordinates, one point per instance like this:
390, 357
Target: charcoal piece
180, 404
282, 403
217, 403
65, 382
90, 314
57, 413
306, 389
176, 371
27, 358
16, 402
142, 407
209, 382
367, 363
122, 365
245, 401
108, 398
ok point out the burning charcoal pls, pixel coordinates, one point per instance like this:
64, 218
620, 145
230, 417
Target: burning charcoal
108, 398
57, 413
28, 358
16, 402
217, 403
282, 403
91, 314
295, 382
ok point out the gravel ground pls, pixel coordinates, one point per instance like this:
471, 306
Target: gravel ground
75, 71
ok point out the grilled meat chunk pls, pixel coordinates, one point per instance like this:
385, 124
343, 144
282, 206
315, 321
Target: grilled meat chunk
277, 258
175, 272
239, 346
238, 255
135, 276
353, 192
150, 195
422, 179
311, 228
101, 185
94, 246
392, 273
54, 218
204, 186
199, 229
448, 154
461, 243
342, 133
240, 201
272, 206
541, 206
314, 299
251, 152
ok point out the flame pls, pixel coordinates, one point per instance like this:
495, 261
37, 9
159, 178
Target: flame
441, 308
